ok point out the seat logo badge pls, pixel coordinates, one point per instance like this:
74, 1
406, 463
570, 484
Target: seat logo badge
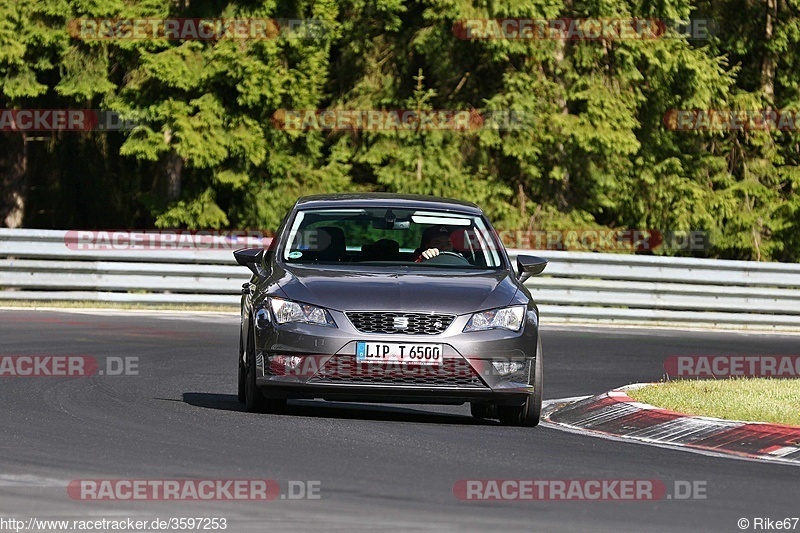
400, 322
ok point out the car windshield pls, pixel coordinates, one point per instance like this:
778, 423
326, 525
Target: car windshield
391, 236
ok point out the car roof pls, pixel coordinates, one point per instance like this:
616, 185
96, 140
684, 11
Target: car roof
380, 199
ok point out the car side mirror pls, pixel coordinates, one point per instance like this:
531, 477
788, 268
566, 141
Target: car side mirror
529, 265
253, 259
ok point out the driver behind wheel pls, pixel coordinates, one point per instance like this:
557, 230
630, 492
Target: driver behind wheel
435, 239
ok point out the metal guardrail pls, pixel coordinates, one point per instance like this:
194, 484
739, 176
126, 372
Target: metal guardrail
650, 289
39, 265
577, 286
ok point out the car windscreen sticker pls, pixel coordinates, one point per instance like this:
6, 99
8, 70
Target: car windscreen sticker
295, 255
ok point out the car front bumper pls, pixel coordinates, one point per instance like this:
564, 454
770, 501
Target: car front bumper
310, 361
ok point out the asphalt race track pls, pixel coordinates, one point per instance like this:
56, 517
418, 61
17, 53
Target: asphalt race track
378, 467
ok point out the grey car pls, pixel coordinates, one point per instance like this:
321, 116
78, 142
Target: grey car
352, 302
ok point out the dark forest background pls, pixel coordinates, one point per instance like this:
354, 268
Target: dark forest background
596, 154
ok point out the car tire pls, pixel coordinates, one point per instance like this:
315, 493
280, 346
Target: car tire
254, 399
529, 413
240, 395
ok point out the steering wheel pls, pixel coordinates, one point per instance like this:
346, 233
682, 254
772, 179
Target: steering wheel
448, 258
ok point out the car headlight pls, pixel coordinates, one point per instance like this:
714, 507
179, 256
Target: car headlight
288, 311
509, 318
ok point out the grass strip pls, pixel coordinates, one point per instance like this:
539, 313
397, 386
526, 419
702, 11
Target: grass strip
748, 399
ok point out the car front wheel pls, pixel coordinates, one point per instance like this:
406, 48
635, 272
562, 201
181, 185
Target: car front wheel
254, 398
240, 393
529, 413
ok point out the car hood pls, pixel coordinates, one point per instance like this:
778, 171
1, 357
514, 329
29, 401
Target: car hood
434, 291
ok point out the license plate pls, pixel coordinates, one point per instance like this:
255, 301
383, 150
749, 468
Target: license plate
399, 352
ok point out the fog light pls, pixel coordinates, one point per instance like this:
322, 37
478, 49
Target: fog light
262, 318
284, 365
505, 368
293, 362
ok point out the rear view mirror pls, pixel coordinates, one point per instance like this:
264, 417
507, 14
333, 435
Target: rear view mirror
529, 265
390, 221
382, 224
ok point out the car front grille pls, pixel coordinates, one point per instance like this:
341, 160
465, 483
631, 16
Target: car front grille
345, 369
396, 322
